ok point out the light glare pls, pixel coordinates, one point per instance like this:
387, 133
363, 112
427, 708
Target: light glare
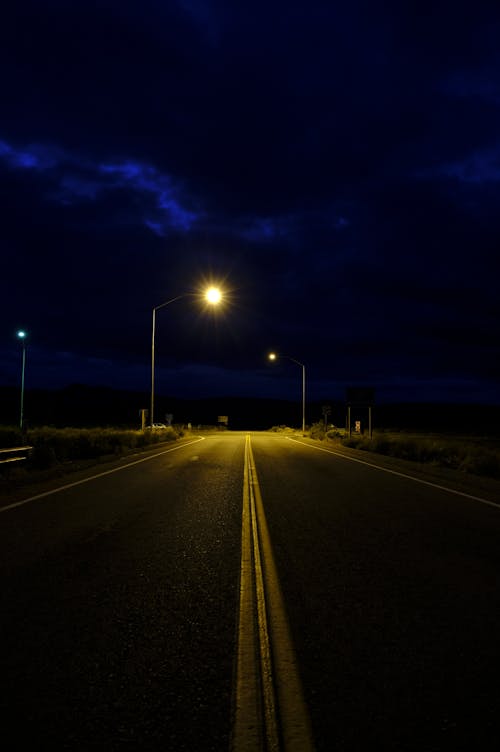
213, 295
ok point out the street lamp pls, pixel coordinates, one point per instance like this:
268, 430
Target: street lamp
213, 296
22, 336
275, 356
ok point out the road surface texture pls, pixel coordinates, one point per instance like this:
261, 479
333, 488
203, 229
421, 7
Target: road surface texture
251, 592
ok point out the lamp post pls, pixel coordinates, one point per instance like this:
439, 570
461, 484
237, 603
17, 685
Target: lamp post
22, 336
275, 356
213, 296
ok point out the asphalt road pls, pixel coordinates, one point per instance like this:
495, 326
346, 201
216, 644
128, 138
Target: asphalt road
121, 617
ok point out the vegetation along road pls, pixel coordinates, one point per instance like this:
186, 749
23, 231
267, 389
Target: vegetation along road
250, 592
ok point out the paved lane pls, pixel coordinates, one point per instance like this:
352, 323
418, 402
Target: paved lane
119, 602
392, 589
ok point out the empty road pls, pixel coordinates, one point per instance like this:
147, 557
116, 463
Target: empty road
251, 592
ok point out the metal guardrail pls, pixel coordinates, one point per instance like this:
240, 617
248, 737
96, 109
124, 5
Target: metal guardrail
14, 450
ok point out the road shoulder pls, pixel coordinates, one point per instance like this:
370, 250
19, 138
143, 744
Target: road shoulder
465, 483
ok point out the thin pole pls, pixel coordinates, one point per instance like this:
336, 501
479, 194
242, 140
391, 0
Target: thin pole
151, 411
303, 399
21, 419
152, 406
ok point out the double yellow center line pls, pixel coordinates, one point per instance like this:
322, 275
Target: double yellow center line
270, 712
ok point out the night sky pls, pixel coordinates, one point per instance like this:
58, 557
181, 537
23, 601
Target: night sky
334, 166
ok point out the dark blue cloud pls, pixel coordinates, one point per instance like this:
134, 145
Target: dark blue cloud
73, 179
336, 165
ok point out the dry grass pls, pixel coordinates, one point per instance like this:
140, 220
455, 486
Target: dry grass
469, 455
53, 446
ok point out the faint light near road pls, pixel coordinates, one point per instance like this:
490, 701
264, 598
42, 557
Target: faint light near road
275, 356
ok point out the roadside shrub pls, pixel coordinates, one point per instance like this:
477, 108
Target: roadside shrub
355, 442
335, 433
406, 449
317, 431
10, 436
381, 444
481, 463
58, 445
42, 457
444, 452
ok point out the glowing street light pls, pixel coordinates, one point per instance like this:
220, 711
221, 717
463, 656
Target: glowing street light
275, 356
213, 296
22, 336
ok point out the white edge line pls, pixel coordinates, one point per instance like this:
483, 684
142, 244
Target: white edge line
395, 472
99, 475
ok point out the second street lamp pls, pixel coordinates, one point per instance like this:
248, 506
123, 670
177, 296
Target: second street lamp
213, 296
275, 356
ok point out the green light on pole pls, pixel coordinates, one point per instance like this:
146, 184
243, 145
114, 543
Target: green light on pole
22, 336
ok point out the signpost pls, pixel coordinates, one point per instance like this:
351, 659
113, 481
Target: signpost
360, 397
143, 414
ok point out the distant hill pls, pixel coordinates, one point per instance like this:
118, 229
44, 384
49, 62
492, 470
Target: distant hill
80, 405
